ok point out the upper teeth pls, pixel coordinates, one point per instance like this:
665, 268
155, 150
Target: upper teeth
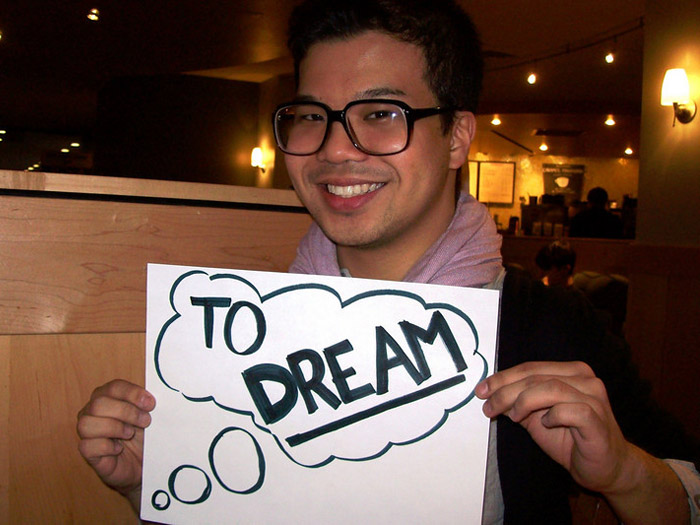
352, 191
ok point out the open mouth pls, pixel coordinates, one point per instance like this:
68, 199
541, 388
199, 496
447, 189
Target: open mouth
347, 192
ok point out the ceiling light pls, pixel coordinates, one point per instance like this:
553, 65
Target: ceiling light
94, 15
629, 151
610, 121
65, 150
610, 58
496, 121
532, 78
544, 147
675, 92
2, 131
75, 144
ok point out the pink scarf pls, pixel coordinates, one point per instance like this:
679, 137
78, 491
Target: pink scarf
467, 254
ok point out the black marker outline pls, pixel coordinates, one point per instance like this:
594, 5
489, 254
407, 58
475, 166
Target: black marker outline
317, 286
303, 437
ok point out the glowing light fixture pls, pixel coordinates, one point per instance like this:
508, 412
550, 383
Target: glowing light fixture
496, 121
2, 131
256, 158
610, 121
610, 57
532, 78
94, 14
65, 150
75, 144
544, 147
675, 91
629, 151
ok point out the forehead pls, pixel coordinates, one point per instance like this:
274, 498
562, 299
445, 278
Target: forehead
371, 64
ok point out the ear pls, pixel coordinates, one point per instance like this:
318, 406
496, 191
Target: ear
462, 134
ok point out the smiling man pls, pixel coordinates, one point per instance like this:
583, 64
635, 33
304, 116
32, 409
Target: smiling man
390, 206
374, 141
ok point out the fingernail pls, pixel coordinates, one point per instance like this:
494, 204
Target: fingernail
487, 409
146, 401
482, 389
144, 419
128, 431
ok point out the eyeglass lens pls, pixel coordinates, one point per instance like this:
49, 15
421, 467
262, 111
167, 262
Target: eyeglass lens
375, 127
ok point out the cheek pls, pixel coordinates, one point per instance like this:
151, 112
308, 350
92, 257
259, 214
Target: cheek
294, 168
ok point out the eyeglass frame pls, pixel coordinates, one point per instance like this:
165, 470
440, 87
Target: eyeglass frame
410, 114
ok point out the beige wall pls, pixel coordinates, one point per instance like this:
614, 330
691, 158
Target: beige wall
669, 181
664, 299
273, 92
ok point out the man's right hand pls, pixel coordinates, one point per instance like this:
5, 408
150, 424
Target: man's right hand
110, 427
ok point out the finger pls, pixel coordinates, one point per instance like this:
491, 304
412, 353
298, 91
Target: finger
126, 391
581, 416
93, 450
90, 427
530, 369
520, 399
110, 408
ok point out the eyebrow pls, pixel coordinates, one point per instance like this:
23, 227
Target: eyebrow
368, 93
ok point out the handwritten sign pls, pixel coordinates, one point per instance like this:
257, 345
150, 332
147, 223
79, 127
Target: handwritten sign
299, 398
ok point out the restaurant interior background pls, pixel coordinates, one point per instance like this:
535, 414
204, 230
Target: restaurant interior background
183, 91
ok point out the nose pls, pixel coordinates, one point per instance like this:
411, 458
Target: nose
339, 147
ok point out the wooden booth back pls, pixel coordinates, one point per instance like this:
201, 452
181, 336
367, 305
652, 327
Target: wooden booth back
73, 255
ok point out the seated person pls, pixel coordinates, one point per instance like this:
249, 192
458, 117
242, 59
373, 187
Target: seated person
557, 261
607, 294
596, 221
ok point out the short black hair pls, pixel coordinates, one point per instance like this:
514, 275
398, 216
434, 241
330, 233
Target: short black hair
556, 255
441, 28
598, 197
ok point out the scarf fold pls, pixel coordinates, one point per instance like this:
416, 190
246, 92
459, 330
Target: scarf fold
468, 253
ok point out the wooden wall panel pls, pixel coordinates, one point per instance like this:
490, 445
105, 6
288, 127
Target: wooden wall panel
72, 311
51, 378
73, 265
4, 430
662, 325
598, 255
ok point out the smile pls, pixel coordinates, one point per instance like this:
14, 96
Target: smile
353, 191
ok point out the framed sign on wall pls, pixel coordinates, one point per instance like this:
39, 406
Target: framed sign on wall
495, 181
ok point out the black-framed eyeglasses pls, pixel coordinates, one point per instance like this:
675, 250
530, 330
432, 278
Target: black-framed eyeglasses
375, 126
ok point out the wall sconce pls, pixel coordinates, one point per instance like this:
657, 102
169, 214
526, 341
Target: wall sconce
675, 92
256, 159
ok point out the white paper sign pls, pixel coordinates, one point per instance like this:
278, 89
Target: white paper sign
306, 399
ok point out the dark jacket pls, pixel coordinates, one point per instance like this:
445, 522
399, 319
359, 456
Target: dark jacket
539, 323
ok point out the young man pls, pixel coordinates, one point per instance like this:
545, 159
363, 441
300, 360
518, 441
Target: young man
381, 124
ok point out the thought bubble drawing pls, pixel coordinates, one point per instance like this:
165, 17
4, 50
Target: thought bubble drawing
329, 377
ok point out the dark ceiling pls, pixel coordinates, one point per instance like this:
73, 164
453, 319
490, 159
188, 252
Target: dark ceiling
53, 60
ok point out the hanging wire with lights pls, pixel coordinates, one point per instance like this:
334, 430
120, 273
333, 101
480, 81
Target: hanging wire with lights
611, 35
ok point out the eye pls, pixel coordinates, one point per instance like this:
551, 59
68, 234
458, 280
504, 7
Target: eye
310, 116
381, 114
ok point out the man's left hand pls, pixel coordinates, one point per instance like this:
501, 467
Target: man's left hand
565, 408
